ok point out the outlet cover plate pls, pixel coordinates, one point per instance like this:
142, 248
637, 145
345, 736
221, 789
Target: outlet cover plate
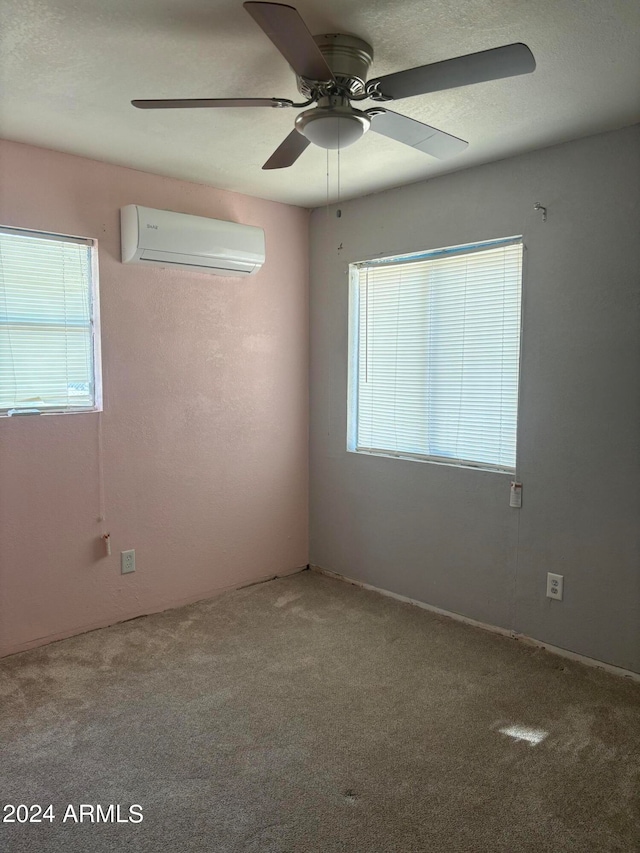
127, 562
555, 586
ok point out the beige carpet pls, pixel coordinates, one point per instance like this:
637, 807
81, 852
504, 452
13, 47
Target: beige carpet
307, 715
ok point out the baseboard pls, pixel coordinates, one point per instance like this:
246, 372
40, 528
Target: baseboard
147, 611
505, 632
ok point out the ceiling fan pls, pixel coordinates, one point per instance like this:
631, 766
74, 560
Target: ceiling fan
331, 72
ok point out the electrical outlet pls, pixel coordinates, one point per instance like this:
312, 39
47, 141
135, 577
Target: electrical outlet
555, 584
127, 562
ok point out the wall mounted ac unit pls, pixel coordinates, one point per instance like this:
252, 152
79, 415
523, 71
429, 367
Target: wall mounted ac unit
189, 242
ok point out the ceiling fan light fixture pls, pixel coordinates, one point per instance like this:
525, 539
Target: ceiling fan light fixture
333, 127
333, 69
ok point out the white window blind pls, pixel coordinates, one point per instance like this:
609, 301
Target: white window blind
435, 355
48, 350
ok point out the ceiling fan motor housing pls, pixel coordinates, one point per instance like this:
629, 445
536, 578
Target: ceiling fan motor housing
348, 57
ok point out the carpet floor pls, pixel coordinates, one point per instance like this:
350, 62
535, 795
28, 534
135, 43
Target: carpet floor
305, 715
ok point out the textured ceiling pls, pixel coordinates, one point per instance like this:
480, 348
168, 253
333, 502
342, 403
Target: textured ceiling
69, 68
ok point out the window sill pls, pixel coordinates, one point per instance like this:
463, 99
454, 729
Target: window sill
26, 413
435, 460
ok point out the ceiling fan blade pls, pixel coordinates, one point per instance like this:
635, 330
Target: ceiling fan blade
182, 103
507, 61
416, 134
288, 151
286, 29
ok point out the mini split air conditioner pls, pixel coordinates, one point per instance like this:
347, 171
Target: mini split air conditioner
170, 239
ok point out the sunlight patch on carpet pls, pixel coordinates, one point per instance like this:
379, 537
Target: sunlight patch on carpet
532, 736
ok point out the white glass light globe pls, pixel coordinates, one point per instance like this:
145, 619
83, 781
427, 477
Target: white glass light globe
332, 128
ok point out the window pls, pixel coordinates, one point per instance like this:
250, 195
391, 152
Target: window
434, 355
49, 347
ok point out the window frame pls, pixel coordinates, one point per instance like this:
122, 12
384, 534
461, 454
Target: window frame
354, 346
94, 319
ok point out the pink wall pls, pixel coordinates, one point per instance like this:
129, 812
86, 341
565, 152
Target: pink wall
205, 416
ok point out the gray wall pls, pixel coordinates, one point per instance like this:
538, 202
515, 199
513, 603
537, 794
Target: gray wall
447, 536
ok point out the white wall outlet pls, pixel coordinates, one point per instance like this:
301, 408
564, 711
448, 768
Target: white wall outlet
127, 562
555, 584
